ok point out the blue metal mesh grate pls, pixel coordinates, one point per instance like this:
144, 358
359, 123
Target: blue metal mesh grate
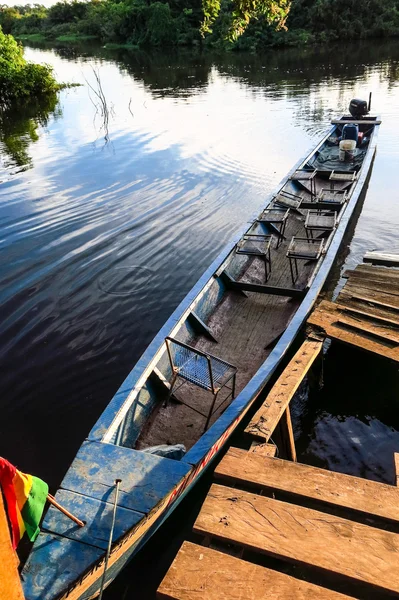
196, 367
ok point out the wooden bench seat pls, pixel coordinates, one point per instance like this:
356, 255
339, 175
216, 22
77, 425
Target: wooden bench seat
357, 553
199, 573
370, 498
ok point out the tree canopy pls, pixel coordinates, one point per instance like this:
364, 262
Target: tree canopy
20, 79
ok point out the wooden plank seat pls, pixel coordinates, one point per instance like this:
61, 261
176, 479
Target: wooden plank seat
265, 420
200, 573
319, 221
278, 217
297, 481
244, 286
342, 177
303, 249
355, 552
306, 175
202, 369
256, 244
287, 200
363, 121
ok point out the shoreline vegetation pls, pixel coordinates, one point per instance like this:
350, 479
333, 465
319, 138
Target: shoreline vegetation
20, 80
145, 23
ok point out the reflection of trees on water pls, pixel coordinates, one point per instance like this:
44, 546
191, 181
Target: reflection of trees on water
19, 129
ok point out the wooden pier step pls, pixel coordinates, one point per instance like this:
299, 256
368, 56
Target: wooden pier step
264, 422
10, 583
199, 573
352, 551
298, 481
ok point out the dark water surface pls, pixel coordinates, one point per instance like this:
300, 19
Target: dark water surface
105, 227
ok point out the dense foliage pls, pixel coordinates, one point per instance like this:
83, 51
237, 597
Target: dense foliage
20, 79
182, 22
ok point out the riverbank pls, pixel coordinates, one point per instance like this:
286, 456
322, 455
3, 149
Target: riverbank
159, 25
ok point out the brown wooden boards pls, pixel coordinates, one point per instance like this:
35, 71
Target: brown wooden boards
297, 480
10, 584
303, 536
262, 449
374, 336
266, 419
382, 258
199, 573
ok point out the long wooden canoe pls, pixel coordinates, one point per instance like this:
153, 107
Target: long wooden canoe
239, 320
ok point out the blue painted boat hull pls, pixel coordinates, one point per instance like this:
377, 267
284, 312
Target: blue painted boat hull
68, 562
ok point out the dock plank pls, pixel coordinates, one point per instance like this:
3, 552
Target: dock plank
262, 449
379, 340
374, 271
267, 417
365, 293
199, 573
382, 258
10, 583
303, 481
302, 536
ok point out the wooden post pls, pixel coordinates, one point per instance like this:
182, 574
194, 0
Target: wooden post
396, 463
288, 434
66, 512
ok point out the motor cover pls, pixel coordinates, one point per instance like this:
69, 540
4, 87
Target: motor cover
358, 108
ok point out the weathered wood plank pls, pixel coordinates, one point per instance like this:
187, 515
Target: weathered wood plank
396, 461
382, 258
146, 478
263, 449
199, 573
378, 340
303, 481
365, 295
361, 302
373, 271
97, 516
10, 583
374, 282
266, 419
357, 122
370, 314
303, 536
384, 298
388, 291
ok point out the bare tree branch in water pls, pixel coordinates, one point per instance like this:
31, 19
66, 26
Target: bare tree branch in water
100, 103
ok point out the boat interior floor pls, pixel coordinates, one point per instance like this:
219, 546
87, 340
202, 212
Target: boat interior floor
246, 327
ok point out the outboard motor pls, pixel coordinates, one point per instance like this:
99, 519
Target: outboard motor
358, 108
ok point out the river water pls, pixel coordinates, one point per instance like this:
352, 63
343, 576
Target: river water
107, 220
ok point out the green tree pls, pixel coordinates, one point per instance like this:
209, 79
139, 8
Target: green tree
20, 79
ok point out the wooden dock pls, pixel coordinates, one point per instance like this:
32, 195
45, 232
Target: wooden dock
366, 312
10, 583
274, 528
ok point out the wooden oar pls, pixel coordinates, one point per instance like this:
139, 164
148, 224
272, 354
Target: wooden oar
66, 512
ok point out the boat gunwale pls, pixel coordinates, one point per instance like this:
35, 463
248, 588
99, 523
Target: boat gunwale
110, 419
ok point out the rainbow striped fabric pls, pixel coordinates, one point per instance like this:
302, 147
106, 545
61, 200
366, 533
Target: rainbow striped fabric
25, 497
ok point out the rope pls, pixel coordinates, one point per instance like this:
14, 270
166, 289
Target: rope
111, 535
